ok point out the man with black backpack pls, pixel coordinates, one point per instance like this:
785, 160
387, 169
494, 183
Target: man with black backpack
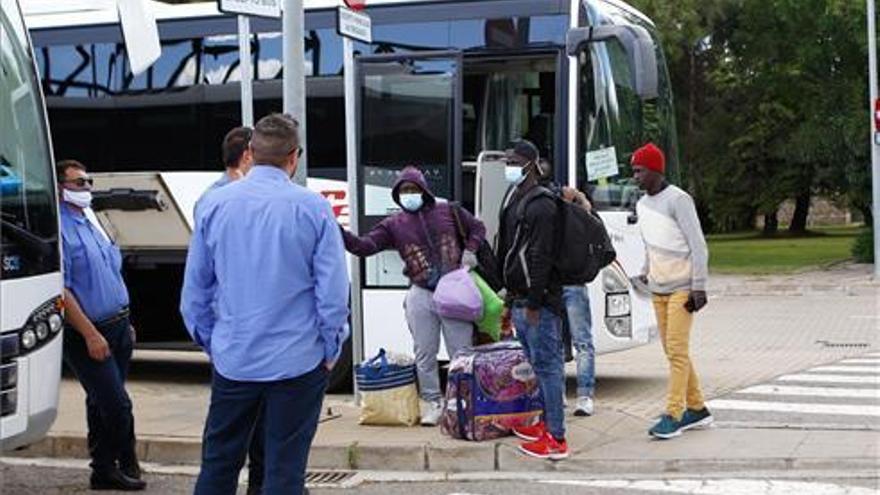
526, 251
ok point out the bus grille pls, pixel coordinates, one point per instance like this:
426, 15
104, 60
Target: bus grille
8, 374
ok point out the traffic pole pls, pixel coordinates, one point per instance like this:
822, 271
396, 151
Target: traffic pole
246, 71
875, 152
294, 92
351, 143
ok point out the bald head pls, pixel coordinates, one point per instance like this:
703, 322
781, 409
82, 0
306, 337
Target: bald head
275, 140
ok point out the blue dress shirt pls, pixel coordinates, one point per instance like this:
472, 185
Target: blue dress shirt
271, 254
92, 266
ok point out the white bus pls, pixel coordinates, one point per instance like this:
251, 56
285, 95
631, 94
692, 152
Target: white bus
30, 270
443, 83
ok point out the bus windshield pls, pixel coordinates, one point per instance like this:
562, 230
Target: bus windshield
28, 220
613, 121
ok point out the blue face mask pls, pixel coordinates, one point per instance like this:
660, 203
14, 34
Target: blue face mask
411, 201
514, 174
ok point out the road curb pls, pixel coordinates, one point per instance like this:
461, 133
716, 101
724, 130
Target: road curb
464, 458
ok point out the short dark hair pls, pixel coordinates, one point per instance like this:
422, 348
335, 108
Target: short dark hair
62, 166
275, 137
234, 145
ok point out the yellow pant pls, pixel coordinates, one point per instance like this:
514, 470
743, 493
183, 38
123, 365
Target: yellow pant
675, 330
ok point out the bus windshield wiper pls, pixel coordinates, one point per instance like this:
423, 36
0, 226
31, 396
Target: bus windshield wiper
41, 246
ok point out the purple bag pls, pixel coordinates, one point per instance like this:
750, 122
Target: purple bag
457, 296
491, 389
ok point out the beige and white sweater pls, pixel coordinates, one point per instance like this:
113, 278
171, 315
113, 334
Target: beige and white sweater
677, 257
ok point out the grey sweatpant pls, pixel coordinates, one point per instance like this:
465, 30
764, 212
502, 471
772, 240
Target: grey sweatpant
425, 325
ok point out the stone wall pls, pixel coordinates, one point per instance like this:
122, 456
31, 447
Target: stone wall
822, 212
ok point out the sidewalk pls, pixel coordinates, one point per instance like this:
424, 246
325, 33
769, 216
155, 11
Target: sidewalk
820, 318
609, 442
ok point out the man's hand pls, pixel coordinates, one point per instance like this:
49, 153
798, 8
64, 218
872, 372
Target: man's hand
572, 195
506, 324
533, 316
98, 348
696, 301
469, 259
328, 365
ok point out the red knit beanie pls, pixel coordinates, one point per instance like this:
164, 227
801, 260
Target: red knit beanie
650, 157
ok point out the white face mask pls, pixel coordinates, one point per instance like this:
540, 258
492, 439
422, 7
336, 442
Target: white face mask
411, 201
514, 174
81, 199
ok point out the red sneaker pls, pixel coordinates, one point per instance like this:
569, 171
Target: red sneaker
546, 447
530, 433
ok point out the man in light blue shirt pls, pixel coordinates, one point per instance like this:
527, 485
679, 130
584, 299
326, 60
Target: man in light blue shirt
271, 255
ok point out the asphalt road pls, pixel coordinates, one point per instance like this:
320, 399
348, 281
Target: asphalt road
53, 480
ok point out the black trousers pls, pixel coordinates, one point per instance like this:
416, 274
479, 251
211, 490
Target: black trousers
108, 407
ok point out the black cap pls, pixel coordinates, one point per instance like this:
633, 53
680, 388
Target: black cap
525, 150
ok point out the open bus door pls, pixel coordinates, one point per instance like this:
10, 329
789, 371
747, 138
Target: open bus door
408, 110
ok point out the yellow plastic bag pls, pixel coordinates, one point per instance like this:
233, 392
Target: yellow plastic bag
398, 406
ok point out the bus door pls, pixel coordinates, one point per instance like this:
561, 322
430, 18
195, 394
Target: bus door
619, 108
408, 113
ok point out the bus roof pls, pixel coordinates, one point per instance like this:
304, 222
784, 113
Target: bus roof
49, 14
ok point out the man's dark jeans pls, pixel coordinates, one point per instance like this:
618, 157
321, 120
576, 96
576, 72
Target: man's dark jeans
108, 406
291, 410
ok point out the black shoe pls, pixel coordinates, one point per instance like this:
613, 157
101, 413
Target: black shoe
131, 470
116, 480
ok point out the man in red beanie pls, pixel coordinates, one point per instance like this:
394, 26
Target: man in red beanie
676, 271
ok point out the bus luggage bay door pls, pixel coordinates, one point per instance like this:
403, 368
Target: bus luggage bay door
408, 113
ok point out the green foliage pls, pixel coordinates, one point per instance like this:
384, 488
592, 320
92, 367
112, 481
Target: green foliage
771, 101
863, 247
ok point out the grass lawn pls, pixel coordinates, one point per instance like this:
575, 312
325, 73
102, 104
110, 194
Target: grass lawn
750, 253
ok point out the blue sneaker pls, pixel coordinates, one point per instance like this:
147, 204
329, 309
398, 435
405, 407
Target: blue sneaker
693, 418
666, 428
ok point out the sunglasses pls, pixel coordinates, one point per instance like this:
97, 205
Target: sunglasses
298, 150
80, 181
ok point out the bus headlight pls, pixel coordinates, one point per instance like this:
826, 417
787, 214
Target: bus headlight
620, 327
28, 339
42, 330
617, 304
55, 323
613, 280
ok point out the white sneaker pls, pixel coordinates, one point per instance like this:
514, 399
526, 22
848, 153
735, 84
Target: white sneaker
584, 407
431, 413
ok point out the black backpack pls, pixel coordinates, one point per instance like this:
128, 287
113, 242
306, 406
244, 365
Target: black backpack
583, 247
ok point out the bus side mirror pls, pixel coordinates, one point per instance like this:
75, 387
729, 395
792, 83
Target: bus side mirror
638, 45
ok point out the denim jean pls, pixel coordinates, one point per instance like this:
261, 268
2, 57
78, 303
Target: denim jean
291, 409
675, 324
543, 346
577, 307
108, 407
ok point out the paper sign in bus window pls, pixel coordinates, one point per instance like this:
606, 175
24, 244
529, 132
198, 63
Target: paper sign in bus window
602, 163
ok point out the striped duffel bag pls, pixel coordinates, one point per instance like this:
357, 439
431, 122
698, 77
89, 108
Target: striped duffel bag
388, 391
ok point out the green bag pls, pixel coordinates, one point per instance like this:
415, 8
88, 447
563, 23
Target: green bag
493, 307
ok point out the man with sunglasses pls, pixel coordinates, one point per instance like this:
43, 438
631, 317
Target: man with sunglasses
98, 336
265, 294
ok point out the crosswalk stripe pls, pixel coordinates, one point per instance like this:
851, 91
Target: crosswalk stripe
874, 361
848, 393
847, 369
793, 407
830, 379
729, 486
